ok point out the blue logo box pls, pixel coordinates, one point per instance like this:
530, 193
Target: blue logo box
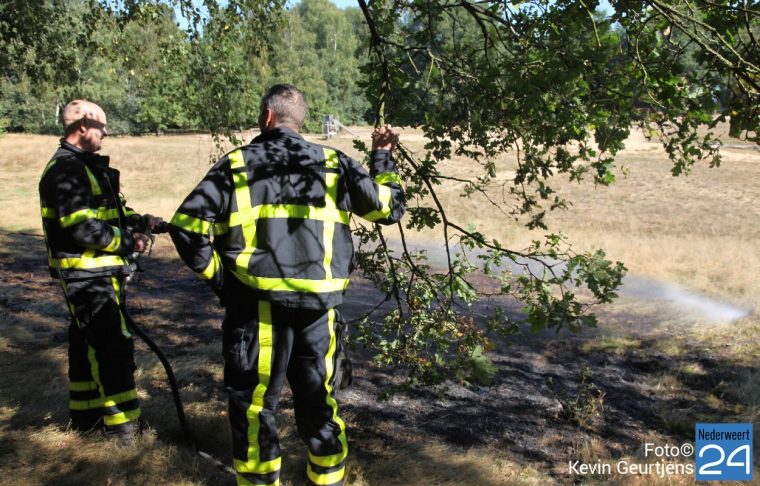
724, 452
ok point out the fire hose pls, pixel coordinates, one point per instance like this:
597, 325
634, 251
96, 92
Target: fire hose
163, 228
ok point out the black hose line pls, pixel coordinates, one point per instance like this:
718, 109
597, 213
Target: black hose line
169, 373
161, 228
175, 393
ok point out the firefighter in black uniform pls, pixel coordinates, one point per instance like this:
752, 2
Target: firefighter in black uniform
89, 234
278, 209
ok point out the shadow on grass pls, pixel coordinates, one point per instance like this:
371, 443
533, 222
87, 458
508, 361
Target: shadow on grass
418, 432
34, 385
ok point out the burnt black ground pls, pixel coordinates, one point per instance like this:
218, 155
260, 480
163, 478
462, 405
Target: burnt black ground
521, 413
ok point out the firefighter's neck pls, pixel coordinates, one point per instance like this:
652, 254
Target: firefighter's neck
269, 121
75, 139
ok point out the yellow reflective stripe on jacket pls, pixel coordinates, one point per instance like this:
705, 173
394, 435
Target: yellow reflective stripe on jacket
221, 227
115, 241
49, 166
108, 214
384, 195
94, 186
77, 217
331, 158
247, 215
293, 284
189, 223
331, 206
101, 213
237, 161
213, 266
288, 211
86, 262
328, 226
243, 216
48, 213
93, 182
388, 178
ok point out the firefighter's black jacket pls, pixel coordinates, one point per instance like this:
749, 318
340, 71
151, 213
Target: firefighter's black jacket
278, 210
83, 216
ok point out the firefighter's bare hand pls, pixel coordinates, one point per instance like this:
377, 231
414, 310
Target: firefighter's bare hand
151, 221
384, 138
142, 241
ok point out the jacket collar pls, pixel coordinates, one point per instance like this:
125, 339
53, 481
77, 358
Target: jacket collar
275, 133
87, 157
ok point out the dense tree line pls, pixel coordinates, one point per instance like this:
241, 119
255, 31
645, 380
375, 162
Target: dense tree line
151, 74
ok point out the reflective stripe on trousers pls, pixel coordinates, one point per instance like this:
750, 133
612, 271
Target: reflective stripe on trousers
259, 338
101, 356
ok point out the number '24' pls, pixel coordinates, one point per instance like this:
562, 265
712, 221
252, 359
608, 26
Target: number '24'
705, 469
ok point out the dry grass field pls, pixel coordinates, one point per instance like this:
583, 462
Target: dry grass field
654, 367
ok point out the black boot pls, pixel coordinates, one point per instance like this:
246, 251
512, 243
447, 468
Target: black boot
86, 422
126, 434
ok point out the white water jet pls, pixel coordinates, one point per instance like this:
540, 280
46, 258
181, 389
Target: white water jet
708, 308
682, 300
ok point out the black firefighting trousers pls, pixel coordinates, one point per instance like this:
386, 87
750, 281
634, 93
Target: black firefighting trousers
101, 358
263, 344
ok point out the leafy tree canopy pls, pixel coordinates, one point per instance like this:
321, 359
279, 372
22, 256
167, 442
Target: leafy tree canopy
561, 87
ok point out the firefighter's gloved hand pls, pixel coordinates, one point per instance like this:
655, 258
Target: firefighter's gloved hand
151, 221
142, 242
161, 227
344, 371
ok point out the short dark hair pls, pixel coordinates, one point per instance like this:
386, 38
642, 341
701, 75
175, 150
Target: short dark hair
288, 104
